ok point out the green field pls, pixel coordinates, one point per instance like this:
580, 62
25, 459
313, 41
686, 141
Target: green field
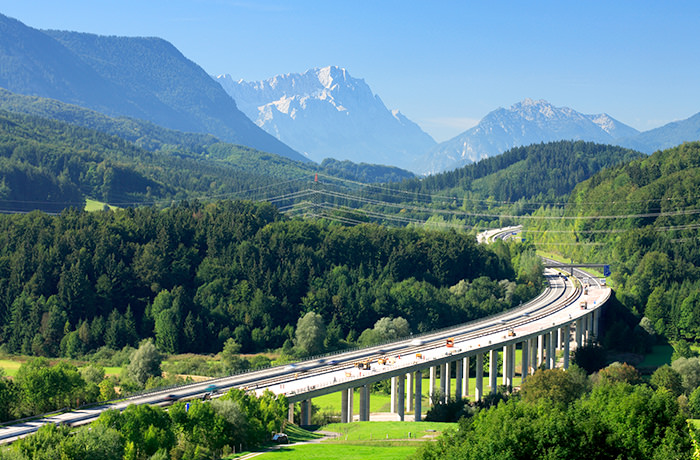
373, 431
10, 367
329, 451
361, 440
113, 370
94, 205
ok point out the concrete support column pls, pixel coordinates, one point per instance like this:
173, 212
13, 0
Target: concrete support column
493, 374
510, 378
344, 406
578, 333
540, 350
418, 379
591, 335
364, 403
553, 355
596, 323
524, 360
559, 339
306, 412
545, 349
445, 381
458, 379
409, 391
505, 372
393, 409
465, 378
431, 387
479, 390
567, 337
290, 413
533, 354
351, 404
401, 387
302, 413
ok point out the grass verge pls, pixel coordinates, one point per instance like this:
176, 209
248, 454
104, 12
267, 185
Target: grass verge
332, 451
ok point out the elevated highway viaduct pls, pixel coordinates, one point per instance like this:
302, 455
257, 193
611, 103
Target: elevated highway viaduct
563, 317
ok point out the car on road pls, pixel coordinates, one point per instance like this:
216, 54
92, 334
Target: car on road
280, 438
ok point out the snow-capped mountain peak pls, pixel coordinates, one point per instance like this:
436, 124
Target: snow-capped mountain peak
325, 112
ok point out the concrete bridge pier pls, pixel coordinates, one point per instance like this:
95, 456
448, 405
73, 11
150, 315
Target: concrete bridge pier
306, 412
493, 374
567, 344
431, 387
459, 374
524, 359
290, 413
344, 406
409, 391
533, 354
445, 381
559, 339
401, 387
364, 403
551, 353
540, 349
579, 333
465, 377
596, 323
479, 390
418, 380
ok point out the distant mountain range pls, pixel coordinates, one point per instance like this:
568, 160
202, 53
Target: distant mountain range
326, 113
529, 122
146, 78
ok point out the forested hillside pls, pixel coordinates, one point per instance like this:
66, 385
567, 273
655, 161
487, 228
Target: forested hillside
142, 133
542, 171
50, 165
195, 275
642, 218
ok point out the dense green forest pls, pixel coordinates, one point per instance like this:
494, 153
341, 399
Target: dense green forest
194, 275
642, 218
561, 414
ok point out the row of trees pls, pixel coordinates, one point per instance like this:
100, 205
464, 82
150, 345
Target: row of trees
196, 275
191, 430
41, 386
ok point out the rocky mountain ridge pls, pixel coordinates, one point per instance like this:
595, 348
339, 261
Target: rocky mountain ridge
326, 113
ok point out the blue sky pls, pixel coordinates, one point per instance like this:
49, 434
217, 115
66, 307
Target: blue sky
444, 64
